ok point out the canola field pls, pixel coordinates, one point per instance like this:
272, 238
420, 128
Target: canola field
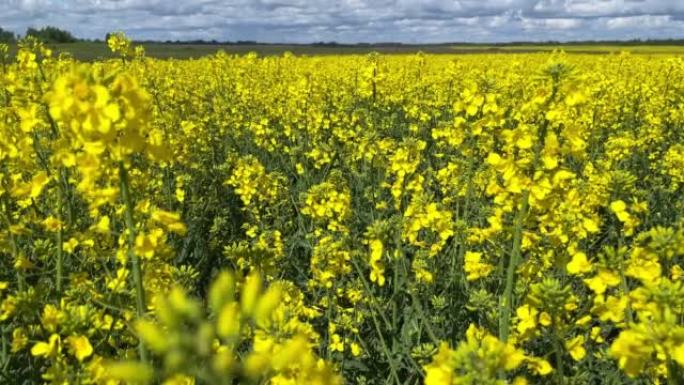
362, 219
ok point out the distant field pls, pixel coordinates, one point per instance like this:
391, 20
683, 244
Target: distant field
93, 51
639, 49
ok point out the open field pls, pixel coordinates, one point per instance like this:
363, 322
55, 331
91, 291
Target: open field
92, 51
396, 219
572, 48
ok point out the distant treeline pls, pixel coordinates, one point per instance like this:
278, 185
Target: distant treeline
397, 44
6, 36
50, 34
46, 34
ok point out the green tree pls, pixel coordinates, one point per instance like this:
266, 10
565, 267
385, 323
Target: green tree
51, 34
7, 36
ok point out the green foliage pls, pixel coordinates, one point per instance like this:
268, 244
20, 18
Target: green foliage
51, 34
7, 36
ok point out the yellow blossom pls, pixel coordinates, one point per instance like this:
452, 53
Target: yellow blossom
579, 264
80, 347
575, 347
48, 349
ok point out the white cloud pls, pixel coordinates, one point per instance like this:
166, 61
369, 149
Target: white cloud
552, 24
641, 21
354, 20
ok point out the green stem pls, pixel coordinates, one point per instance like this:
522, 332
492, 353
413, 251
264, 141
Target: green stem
419, 308
328, 316
135, 262
558, 351
507, 299
13, 244
625, 290
466, 214
5, 356
383, 343
62, 185
60, 245
673, 377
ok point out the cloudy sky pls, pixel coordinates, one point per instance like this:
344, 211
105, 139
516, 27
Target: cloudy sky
409, 21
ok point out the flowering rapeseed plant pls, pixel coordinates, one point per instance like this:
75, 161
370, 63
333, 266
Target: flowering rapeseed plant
481, 219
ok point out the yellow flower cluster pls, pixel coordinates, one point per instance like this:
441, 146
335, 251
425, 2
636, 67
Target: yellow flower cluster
480, 359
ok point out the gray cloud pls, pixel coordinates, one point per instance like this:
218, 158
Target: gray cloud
354, 20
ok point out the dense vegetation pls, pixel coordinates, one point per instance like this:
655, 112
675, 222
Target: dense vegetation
51, 35
414, 219
7, 36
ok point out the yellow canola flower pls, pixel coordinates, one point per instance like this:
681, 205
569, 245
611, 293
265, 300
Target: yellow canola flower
119, 44
620, 209
590, 225
474, 267
33, 188
70, 245
49, 349
103, 225
179, 379
21, 262
678, 354
266, 304
222, 291
603, 280
545, 319
80, 347
481, 350
26, 59
527, 319
355, 349
643, 269
377, 273
51, 317
440, 371
228, 321
579, 264
610, 308
336, 343
129, 372
596, 334
19, 339
250, 293
52, 224
171, 221
632, 350
575, 347
29, 117
540, 366
147, 245
153, 336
